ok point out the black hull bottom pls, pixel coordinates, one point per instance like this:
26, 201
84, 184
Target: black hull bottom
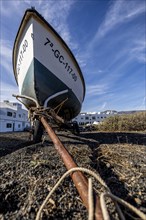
41, 84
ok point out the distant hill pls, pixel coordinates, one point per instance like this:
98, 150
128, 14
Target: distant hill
130, 112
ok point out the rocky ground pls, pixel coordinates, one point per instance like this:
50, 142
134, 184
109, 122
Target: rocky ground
28, 172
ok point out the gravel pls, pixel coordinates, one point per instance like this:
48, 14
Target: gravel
28, 172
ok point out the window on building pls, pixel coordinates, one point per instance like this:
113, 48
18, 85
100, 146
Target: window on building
19, 125
9, 114
8, 125
14, 114
19, 115
93, 117
87, 118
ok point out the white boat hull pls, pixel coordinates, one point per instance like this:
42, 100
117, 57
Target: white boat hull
44, 67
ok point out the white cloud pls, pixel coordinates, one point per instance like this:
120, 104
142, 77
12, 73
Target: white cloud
138, 51
142, 104
103, 106
119, 12
7, 84
81, 58
9, 8
6, 55
56, 13
6, 49
7, 90
27, 1
94, 90
124, 44
95, 106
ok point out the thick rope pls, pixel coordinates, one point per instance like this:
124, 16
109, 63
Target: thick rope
91, 200
121, 201
91, 206
61, 179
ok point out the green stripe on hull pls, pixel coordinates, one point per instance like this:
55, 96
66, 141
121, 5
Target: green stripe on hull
40, 83
28, 85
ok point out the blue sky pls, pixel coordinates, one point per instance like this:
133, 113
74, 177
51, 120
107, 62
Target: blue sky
107, 37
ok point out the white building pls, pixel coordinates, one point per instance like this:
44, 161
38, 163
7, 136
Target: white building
93, 117
13, 117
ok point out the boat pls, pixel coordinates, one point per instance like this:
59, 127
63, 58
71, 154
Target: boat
45, 69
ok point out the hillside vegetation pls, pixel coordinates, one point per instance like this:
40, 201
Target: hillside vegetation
131, 122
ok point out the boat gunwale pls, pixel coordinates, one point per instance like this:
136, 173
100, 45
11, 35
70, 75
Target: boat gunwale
33, 13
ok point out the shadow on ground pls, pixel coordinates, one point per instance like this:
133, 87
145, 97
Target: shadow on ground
116, 137
8, 144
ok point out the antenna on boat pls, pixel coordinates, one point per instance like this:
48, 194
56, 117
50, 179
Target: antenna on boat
33, 8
